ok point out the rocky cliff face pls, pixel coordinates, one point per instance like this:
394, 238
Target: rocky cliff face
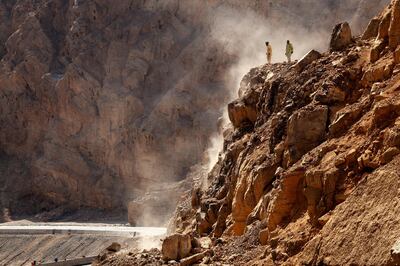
309, 167
101, 100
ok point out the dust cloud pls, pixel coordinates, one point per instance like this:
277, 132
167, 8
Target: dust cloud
243, 33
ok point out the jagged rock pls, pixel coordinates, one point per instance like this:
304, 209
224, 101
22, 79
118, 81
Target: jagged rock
319, 188
306, 129
244, 110
195, 258
395, 253
203, 227
110, 250
394, 29
196, 197
384, 112
249, 190
306, 60
376, 50
345, 118
330, 94
284, 197
388, 155
377, 73
397, 56
220, 225
367, 160
259, 212
392, 137
372, 29
240, 113
176, 247
264, 237
383, 31
341, 37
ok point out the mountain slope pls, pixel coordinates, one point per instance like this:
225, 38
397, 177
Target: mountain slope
104, 101
310, 165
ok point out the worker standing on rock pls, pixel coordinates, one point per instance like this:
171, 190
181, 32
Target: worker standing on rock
289, 51
269, 52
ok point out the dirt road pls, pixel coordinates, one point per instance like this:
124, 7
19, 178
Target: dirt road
22, 243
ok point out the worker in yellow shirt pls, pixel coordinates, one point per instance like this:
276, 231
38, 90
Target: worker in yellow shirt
269, 52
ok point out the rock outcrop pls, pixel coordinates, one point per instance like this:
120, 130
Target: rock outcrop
313, 171
341, 37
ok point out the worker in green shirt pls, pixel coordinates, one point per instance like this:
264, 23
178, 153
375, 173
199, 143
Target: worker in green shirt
289, 51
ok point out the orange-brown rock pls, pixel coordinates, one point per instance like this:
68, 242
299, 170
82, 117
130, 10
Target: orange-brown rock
397, 56
372, 29
176, 247
264, 237
367, 208
310, 57
394, 29
306, 129
243, 111
341, 37
383, 31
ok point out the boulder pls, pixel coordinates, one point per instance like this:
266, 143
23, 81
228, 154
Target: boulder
372, 29
341, 37
310, 57
395, 253
244, 110
176, 247
109, 251
388, 155
239, 112
394, 29
114, 247
306, 129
